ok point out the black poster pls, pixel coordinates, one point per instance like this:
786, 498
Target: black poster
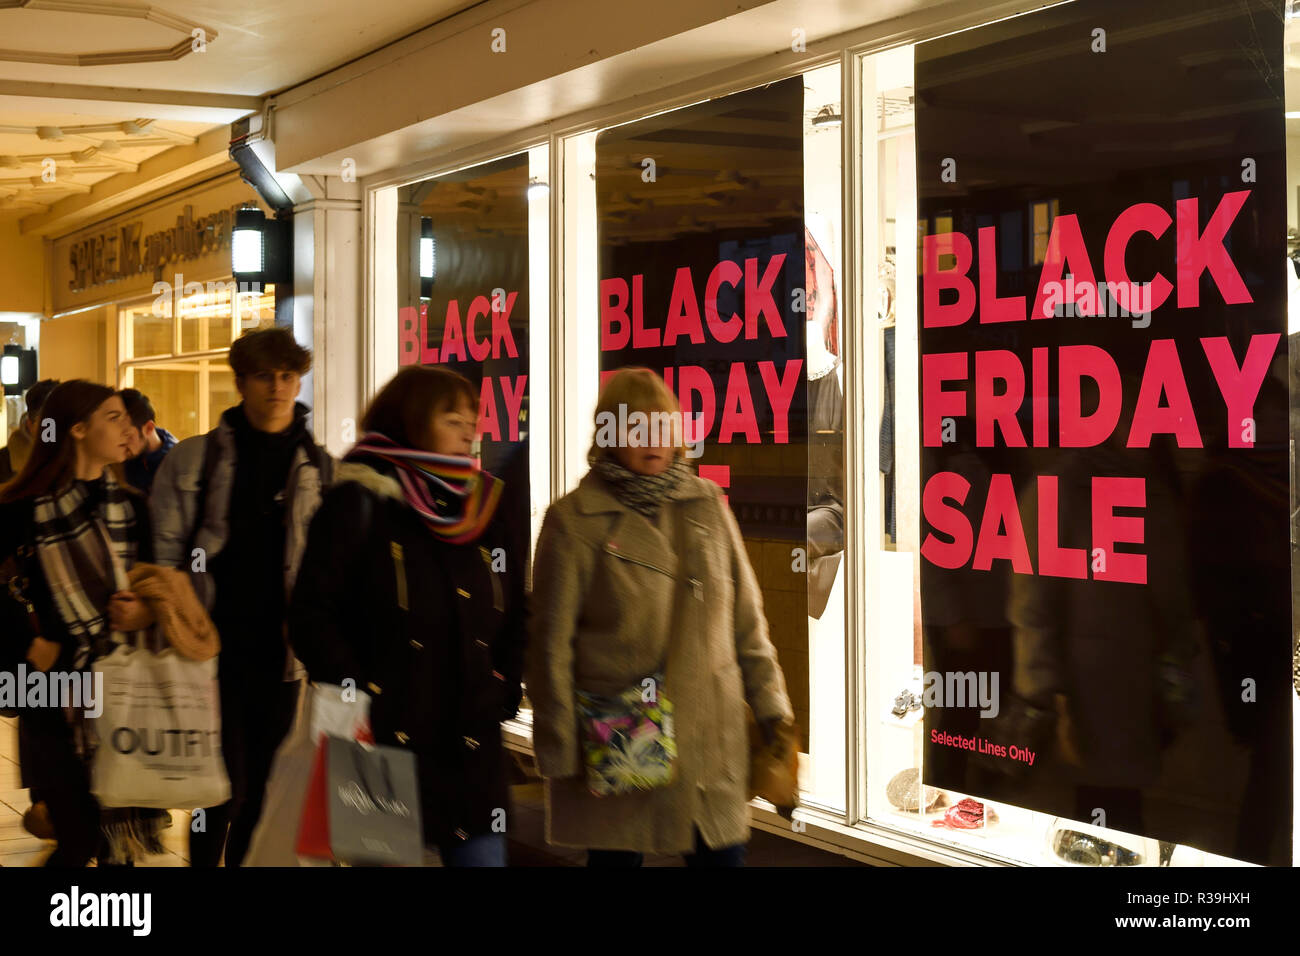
701, 272
464, 240
1105, 503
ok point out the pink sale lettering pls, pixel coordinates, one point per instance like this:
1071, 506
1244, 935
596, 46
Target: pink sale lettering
694, 319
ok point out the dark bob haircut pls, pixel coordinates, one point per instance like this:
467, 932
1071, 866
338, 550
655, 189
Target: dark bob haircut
404, 408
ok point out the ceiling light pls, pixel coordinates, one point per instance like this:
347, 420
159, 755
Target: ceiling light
49, 132
538, 189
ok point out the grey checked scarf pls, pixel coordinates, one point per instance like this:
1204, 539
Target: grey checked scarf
85, 556
642, 493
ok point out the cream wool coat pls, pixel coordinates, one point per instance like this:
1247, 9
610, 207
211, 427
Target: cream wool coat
614, 597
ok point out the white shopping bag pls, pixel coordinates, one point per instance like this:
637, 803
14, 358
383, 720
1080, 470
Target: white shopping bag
322, 709
159, 736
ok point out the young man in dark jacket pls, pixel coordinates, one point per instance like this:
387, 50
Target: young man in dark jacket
150, 443
232, 508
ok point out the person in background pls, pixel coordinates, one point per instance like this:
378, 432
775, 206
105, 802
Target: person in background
36, 819
412, 586
71, 532
640, 571
231, 508
150, 443
14, 455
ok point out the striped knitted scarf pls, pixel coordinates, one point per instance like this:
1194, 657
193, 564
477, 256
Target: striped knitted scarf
85, 554
455, 498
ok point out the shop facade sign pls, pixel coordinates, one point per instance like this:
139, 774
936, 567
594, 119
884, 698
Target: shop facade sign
186, 235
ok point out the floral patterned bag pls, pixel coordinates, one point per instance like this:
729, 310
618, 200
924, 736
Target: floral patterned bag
628, 743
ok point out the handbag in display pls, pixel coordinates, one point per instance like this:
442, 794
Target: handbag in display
1080, 844
628, 744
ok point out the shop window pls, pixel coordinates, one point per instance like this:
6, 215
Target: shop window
739, 195
173, 349
468, 289
1142, 751
471, 295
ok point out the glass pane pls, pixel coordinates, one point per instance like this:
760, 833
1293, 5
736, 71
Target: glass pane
472, 296
719, 267
174, 392
148, 329
206, 315
253, 310
222, 393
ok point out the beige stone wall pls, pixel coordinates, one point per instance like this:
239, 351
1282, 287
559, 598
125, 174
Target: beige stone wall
80, 346
22, 270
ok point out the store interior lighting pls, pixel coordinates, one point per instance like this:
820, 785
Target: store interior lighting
248, 243
427, 253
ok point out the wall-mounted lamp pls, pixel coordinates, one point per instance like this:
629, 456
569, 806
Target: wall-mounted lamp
17, 369
261, 249
827, 116
428, 252
538, 189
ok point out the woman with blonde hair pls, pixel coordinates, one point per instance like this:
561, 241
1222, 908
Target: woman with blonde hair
647, 639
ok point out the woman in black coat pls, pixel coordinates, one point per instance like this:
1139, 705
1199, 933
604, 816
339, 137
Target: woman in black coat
412, 585
69, 532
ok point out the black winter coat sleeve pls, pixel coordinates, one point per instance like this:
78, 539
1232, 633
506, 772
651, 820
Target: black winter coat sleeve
321, 629
16, 531
513, 533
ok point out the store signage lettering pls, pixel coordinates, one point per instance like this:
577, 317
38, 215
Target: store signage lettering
1163, 403
687, 316
484, 334
124, 251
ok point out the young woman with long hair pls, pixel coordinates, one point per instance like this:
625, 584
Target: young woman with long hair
69, 532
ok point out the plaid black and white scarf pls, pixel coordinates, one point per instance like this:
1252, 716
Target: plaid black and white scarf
85, 553
641, 493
